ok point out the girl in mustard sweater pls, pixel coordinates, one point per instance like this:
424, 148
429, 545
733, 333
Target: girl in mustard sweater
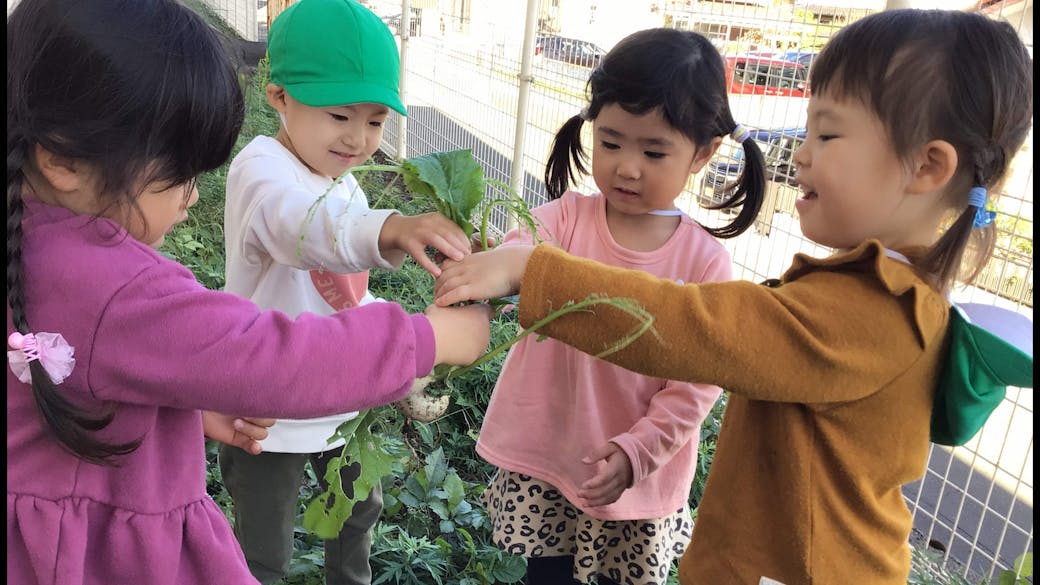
833, 369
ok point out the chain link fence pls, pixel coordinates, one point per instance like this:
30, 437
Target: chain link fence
245, 17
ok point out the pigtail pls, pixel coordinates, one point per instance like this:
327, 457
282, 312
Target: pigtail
73, 426
567, 159
747, 193
963, 250
942, 261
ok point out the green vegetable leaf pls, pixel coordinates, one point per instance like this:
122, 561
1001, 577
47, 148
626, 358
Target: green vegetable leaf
453, 178
1024, 565
454, 490
326, 514
509, 569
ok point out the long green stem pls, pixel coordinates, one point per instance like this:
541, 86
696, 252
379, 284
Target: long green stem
630, 306
486, 216
313, 209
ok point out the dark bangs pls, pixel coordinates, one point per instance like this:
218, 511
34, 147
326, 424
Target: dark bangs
642, 74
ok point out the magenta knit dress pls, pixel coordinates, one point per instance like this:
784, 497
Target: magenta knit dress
151, 340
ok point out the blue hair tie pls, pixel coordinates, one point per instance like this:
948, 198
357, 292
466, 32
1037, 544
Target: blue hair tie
977, 198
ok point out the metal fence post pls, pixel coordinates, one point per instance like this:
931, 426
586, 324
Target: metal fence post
402, 121
516, 173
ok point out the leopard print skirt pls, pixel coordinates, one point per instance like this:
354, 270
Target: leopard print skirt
531, 518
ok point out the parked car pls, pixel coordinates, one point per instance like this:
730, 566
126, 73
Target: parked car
777, 145
766, 76
574, 51
803, 57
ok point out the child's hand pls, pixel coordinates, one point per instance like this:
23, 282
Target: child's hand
243, 433
614, 478
461, 334
411, 234
475, 246
485, 275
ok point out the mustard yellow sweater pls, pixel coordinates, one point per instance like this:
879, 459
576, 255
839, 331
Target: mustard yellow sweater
831, 374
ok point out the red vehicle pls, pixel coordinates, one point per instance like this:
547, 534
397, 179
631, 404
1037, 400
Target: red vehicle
749, 74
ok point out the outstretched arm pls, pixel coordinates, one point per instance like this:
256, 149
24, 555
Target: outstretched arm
840, 329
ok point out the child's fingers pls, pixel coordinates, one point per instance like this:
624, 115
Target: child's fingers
445, 250
252, 447
260, 422
427, 264
450, 293
448, 246
602, 452
442, 234
478, 246
597, 482
601, 490
255, 429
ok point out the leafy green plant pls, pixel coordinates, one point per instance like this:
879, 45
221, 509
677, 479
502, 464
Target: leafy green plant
438, 489
487, 569
928, 567
327, 513
453, 183
400, 558
1019, 574
709, 437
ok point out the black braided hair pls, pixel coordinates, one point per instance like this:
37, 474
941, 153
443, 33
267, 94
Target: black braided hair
73, 425
141, 91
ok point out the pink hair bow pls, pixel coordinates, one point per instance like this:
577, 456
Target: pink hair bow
54, 353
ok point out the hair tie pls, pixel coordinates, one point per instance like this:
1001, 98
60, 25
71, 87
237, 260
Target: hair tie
740, 133
54, 353
977, 197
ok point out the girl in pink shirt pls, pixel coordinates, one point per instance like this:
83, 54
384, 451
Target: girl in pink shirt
596, 462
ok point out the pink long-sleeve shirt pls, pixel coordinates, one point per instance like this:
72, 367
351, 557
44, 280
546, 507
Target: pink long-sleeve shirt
158, 346
553, 405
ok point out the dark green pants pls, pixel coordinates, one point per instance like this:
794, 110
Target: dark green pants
265, 489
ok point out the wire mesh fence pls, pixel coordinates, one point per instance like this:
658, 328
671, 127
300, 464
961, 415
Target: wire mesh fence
243, 16
462, 62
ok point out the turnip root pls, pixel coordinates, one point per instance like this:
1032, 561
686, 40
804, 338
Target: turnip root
422, 406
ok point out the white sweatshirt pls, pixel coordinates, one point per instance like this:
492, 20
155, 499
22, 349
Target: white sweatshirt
269, 192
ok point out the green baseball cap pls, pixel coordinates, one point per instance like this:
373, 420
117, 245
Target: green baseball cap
335, 53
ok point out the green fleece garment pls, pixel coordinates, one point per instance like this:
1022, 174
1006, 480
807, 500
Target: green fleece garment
980, 367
